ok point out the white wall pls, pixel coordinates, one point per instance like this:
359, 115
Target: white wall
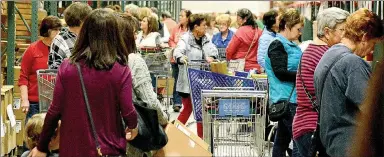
223, 6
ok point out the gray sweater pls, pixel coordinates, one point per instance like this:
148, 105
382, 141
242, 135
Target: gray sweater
343, 92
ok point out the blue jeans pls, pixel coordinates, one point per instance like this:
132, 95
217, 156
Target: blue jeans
303, 144
283, 135
175, 75
33, 109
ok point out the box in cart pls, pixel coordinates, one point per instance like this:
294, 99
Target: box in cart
180, 144
162, 83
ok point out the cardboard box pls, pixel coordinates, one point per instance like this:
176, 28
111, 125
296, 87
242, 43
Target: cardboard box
3, 111
162, 83
191, 134
10, 137
16, 70
3, 137
16, 88
17, 111
20, 132
179, 144
219, 67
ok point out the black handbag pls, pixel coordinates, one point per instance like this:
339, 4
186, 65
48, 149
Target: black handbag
280, 109
151, 135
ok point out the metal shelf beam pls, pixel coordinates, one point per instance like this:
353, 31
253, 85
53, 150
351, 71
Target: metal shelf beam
11, 41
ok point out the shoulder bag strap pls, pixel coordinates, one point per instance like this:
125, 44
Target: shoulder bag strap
310, 97
325, 78
290, 95
89, 111
253, 41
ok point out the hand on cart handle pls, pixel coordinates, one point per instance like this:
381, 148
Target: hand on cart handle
210, 59
25, 106
131, 134
184, 60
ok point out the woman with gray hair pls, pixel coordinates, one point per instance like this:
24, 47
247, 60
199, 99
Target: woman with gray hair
330, 29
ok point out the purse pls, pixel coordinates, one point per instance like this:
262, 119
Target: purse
151, 135
280, 109
94, 133
241, 61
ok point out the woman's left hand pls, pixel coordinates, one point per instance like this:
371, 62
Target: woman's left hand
36, 153
210, 59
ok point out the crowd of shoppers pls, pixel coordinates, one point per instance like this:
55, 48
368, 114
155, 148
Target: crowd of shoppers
325, 83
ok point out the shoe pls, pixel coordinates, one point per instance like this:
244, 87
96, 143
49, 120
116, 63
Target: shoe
176, 108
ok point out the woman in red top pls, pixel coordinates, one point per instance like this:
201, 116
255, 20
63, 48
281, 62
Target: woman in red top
36, 58
245, 42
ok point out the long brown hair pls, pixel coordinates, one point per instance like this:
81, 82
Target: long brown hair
128, 26
369, 136
100, 33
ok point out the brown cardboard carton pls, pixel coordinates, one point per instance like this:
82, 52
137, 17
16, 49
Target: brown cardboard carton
161, 83
16, 88
179, 144
17, 111
16, 71
219, 67
20, 132
191, 134
3, 111
11, 138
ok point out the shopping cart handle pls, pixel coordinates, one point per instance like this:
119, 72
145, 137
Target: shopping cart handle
47, 71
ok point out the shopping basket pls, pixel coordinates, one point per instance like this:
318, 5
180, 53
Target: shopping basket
46, 83
206, 80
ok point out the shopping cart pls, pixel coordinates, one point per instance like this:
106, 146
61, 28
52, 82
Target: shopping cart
201, 79
234, 121
46, 83
159, 66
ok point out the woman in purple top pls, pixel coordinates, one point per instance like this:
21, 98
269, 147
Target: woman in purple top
103, 58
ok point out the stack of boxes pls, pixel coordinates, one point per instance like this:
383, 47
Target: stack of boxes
12, 117
8, 121
20, 116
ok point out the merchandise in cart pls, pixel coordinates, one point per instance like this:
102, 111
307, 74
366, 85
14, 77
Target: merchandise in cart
234, 121
46, 83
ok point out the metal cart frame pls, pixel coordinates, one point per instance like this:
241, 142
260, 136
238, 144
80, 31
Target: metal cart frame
46, 83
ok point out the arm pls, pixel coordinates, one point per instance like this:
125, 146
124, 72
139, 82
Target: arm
53, 115
143, 89
279, 62
357, 84
232, 47
127, 109
180, 50
262, 50
172, 41
26, 69
58, 53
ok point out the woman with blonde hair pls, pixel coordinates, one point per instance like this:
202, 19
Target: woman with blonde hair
222, 39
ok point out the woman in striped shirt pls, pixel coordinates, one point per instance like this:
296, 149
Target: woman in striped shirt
330, 30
